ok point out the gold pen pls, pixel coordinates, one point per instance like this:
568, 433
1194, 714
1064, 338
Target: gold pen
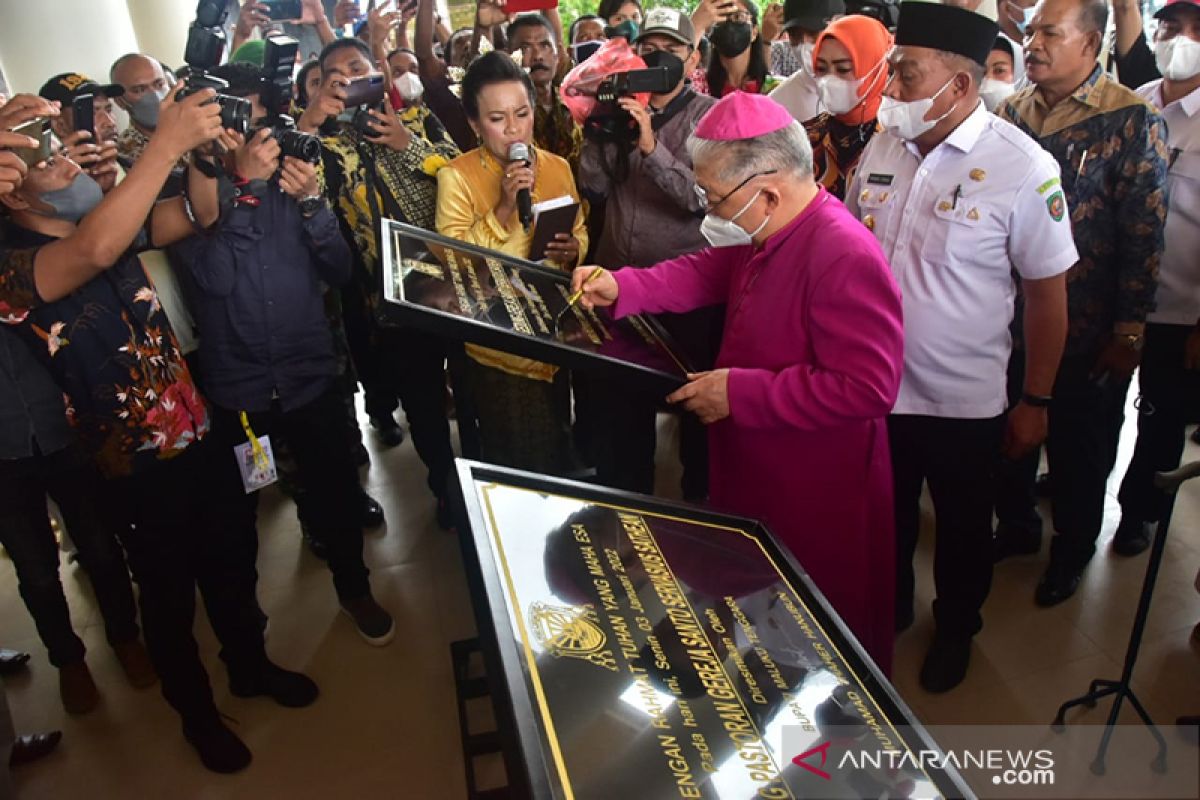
574, 298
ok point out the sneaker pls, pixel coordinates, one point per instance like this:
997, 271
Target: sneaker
373, 622
945, 664
219, 748
135, 661
288, 689
77, 689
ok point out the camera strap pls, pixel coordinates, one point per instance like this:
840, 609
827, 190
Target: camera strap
660, 118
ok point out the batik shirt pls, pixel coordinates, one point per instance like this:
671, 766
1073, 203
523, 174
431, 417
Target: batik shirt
410, 177
1111, 147
836, 149
110, 348
555, 131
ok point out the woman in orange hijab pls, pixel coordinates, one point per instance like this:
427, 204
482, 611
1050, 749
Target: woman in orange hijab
850, 61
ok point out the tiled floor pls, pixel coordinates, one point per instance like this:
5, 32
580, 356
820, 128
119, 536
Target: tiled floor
385, 724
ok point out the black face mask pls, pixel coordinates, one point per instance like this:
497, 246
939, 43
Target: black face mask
732, 38
661, 58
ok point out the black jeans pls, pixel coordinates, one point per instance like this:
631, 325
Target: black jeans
72, 480
1169, 400
332, 503
1085, 427
182, 536
627, 420
957, 458
407, 367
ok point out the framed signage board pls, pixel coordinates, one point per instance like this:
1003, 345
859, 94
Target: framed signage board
473, 294
638, 648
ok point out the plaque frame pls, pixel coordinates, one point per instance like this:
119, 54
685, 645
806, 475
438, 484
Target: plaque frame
530, 768
398, 310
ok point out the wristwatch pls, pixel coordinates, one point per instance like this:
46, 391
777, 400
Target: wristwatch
1133, 341
311, 205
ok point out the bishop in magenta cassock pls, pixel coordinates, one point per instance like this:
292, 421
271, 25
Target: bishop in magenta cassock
810, 362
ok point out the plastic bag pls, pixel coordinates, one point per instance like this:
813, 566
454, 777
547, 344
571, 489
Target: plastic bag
578, 90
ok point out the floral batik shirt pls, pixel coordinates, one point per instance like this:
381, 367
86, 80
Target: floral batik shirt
110, 348
1111, 146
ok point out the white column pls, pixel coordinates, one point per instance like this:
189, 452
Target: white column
39, 40
162, 27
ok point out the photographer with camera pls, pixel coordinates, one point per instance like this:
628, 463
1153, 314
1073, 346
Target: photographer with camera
377, 164
267, 349
73, 287
652, 214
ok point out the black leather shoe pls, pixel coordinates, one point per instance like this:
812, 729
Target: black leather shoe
389, 431
1132, 537
289, 689
1043, 487
362, 457
1058, 583
219, 748
904, 617
445, 520
372, 512
945, 664
32, 747
1196, 436
1011, 540
12, 661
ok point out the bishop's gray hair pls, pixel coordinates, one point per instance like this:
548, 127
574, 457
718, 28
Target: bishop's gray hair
786, 151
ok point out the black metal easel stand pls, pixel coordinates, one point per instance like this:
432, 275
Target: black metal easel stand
1169, 483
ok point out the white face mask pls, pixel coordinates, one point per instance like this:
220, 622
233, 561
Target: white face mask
907, 120
994, 92
722, 232
804, 54
1178, 59
409, 86
841, 95
1028, 18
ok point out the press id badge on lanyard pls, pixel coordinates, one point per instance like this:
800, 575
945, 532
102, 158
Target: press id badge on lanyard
255, 459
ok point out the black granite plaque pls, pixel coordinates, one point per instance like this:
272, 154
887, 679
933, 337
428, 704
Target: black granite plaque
653, 650
485, 297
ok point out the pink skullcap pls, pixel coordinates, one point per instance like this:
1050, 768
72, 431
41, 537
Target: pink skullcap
741, 115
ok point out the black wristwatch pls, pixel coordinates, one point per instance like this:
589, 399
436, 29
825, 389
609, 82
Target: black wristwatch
1036, 400
311, 205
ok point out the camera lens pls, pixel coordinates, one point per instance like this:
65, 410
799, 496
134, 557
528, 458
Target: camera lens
297, 144
235, 112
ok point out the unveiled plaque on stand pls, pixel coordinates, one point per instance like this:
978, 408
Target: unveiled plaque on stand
485, 297
652, 650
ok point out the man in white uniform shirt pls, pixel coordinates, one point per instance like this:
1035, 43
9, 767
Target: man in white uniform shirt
1169, 382
960, 199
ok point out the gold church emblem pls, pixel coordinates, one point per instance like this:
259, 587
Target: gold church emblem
570, 632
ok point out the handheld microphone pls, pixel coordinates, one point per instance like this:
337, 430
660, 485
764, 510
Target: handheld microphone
519, 151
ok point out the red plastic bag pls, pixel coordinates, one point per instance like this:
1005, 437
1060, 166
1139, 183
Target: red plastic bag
578, 90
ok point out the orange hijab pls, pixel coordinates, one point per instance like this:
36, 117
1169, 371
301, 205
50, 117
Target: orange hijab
867, 41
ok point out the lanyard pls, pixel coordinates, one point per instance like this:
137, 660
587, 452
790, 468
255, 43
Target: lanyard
260, 455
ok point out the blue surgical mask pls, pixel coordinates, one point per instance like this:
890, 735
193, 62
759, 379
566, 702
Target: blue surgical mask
1024, 23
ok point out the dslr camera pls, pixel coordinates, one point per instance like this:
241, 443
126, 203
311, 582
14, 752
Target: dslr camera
608, 122
205, 46
279, 56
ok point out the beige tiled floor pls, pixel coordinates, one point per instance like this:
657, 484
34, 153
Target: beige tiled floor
385, 725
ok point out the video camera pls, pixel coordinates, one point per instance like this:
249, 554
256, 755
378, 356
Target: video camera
205, 46
279, 58
608, 122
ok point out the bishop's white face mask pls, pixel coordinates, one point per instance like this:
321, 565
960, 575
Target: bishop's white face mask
907, 120
841, 95
1178, 59
722, 232
994, 92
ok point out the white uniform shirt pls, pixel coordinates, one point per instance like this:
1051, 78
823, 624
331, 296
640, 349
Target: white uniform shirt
799, 95
1178, 296
954, 226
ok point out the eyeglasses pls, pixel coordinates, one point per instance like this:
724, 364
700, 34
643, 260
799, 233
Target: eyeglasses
713, 205
739, 16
